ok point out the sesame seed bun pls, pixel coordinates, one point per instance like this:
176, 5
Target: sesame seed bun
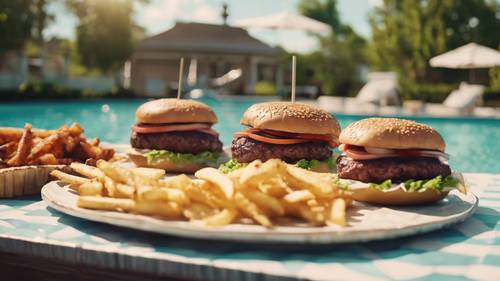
175, 111
398, 196
392, 133
291, 117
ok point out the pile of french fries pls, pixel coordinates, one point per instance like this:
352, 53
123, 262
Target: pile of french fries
39, 147
264, 193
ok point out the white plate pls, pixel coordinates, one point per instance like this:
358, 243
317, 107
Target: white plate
366, 222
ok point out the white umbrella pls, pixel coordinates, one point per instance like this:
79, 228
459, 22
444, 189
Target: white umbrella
285, 20
469, 56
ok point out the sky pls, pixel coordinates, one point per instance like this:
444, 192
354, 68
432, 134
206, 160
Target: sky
160, 15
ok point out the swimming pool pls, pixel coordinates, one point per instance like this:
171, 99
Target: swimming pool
474, 144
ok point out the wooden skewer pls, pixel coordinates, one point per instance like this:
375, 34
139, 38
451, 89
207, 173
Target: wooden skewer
181, 70
294, 63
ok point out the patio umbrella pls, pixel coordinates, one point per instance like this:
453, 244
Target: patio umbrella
285, 20
469, 56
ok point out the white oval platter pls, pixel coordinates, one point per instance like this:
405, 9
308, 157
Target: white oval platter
365, 222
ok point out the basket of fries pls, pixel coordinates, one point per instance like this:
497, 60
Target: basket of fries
27, 156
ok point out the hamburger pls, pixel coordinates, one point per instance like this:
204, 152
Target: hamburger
175, 135
393, 161
293, 132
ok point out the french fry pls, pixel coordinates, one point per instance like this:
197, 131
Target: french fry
269, 204
119, 175
198, 211
106, 203
45, 146
218, 179
48, 159
94, 142
146, 193
198, 193
149, 173
299, 178
69, 179
251, 209
92, 151
124, 191
23, 148
257, 172
157, 208
337, 212
92, 188
6, 150
178, 182
307, 214
299, 196
75, 129
222, 218
109, 186
275, 187
88, 171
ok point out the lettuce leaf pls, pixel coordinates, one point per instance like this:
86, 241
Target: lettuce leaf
231, 165
437, 183
309, 164
205, 157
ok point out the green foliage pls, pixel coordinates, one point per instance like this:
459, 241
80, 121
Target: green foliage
21, 20
407, 33
495, 79
16, 23
35, 89
336, 65
434, 93
105, 32
42, 18
265, 88
324, 11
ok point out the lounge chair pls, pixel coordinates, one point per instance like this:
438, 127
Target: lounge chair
462, 101
380, 90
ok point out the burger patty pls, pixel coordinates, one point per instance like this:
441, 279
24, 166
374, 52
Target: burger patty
396, 169
182, 142
247, 150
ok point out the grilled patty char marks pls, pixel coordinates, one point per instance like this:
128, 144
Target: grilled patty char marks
182, 142
396, 169
246, 150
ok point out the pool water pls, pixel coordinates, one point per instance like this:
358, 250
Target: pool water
474, 144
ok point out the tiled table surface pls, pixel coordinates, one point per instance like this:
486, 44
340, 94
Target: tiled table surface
470, 250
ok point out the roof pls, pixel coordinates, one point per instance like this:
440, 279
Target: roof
206, 38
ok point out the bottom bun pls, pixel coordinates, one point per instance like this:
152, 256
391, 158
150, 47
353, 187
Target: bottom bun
167, 165
398, 196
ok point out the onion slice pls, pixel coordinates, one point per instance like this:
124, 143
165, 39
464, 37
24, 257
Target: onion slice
151, 129
368, 153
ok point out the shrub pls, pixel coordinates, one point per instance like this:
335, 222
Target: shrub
435, 93
265, 88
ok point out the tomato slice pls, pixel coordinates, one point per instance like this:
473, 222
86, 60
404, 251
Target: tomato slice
150, 129
286, 135
269, 140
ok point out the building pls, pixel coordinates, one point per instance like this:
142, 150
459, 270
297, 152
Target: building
216, 56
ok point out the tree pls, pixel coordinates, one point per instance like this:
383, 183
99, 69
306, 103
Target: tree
105, 33
407, 33
42, 18
337, 64
16, 23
